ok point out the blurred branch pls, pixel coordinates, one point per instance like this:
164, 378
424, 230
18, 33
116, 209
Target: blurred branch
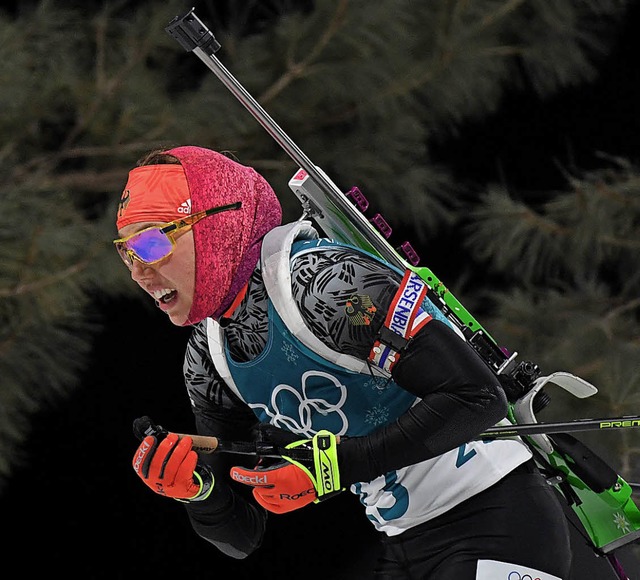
296, 70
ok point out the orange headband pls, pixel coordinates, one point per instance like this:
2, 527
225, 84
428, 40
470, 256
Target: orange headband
154, 193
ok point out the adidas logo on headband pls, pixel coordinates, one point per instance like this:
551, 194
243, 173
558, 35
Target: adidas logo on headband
185, 207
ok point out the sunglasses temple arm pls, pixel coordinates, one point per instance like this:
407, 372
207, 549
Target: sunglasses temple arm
234, 205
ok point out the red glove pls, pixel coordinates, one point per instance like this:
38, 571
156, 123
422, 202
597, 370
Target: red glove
168, 467
290, 485
282, 488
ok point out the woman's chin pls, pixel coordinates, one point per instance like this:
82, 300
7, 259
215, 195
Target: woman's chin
177, 312
178, 320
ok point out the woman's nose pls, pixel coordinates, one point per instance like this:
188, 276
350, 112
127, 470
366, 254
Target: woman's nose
140, 271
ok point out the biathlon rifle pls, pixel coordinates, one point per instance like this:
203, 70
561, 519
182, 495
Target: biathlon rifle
598, 495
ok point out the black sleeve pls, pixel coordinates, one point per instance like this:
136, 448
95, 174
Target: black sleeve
228, 518
459, 397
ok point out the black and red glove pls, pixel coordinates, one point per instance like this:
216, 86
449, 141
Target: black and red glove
292, 484
167, 464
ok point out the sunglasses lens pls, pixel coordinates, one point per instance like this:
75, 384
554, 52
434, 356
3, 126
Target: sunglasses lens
150, 245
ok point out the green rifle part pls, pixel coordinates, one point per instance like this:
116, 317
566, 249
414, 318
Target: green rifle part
610, 518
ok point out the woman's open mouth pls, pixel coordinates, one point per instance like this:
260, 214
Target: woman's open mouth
164, 296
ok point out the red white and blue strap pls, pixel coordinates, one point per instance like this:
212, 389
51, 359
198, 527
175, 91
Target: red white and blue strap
404, 319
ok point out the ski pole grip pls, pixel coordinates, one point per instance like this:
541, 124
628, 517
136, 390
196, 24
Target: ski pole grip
144, 426
202, 443
190, 32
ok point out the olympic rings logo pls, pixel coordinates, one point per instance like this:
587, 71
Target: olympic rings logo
517, 576
287, 402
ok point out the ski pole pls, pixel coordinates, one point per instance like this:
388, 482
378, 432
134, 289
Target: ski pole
207, 444
606, 424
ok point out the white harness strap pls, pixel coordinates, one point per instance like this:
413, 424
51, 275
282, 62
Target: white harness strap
216, 348
492, 570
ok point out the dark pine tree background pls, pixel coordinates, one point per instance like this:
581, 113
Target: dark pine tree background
78, 509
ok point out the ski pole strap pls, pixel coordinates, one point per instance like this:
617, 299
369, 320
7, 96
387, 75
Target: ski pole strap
325, 460
404, 319
325, 475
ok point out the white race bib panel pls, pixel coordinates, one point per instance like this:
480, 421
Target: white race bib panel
493, 570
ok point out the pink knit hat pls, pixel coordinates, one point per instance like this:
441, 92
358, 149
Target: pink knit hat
227, 245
